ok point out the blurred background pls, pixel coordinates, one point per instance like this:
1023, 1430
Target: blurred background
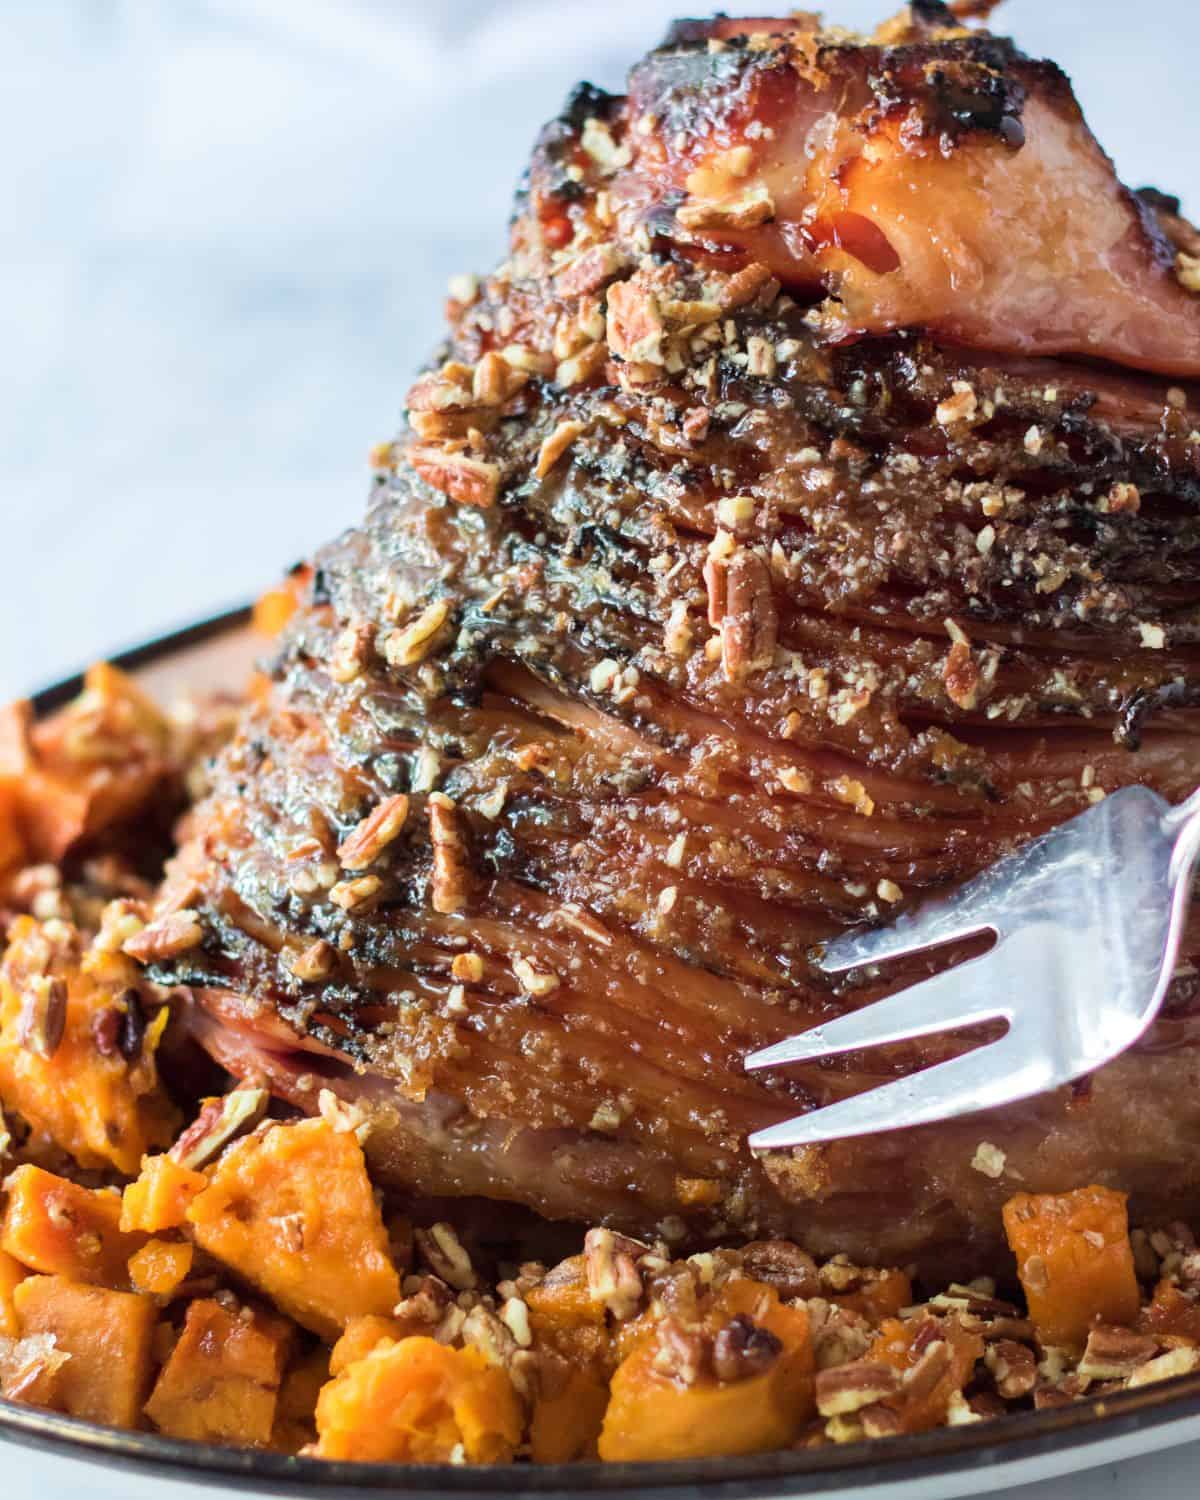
227, 230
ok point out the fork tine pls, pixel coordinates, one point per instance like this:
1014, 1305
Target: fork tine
928, 927
988, 1076
961, 996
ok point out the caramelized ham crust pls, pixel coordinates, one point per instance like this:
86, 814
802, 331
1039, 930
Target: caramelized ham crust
730, 583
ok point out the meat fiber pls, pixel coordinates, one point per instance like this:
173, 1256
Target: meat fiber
759, 556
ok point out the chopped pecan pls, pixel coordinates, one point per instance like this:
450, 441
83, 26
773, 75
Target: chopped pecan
43, 1015
742, 1349
635, 323
684, 1352
218, 1123
1013, 1368
779, 1263
416, 640
473, 481
1112, 1352
351, 894
451, 874
316, 962
848, 1388
444, 1254
744, 210
741, 602
612, 1274
166, 937
372, 836
556, 445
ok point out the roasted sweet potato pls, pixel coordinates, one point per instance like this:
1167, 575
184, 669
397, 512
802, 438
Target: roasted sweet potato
292, 1211
949, 1357
1074, 1260
109, 1337
12, 843
669, 1400
12, 1272
92, 764
361, 1336
158, 1199
61, 1229
577, 1355
418, 1401
221, 1383
77, 1050
296, 1412
160, 1267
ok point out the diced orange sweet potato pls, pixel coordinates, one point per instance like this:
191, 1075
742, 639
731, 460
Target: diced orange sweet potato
923, 1404
61, 1229
653, 1414
566, 1422
77, 1058
109, 1337
92, 764
221, 1383
160, 1267
12, 1272
360, 1337
292, 1211
418, 1401
880, 1298
296, 1413
159, 1198
273, 610
1074, 1260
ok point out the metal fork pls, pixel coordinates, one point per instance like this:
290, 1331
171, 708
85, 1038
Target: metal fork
1088, 920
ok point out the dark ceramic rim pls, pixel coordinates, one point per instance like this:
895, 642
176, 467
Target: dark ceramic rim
929, 1455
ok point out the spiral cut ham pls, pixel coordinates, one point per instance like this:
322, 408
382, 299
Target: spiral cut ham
804, 515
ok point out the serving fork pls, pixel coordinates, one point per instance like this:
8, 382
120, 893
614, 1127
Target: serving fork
1087, 920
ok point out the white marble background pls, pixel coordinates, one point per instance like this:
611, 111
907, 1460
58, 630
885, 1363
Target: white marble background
225, 232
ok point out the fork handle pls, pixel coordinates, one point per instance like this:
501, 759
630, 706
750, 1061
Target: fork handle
1184, 822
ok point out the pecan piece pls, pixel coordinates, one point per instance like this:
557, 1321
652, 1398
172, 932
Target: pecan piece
612, 1274
166, 937
1112, 1353
849, 1388
219, 1122
444, 1254
373, 834
1013, 1368
742, 1349
451, 876
43, 1015
779, 1263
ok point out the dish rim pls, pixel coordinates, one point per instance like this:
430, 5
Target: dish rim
928, 1455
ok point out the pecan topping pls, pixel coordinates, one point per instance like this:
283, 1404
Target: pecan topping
316, 962
742, 1349
219, 1122
443, 1253
451, 876
741, 603
612, 1274
779, 1263
1112, 1353
417, 639
1013, 1368
474, 481
166, 937
372, 836
683, 1353
43, 1016
848, 1388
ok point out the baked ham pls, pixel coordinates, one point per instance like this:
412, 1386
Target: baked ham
804, 515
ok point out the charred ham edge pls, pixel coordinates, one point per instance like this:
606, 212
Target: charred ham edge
807, 152
690, 623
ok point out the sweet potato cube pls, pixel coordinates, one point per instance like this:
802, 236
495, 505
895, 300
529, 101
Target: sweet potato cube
1074, 1260
158, 1199
103, 1105
566, 1422
296, 1412
12, 843
292, 1211
12, 1273
418, 1401
361, 1336
61, 1229
109, 1337
160, 1267
653, 1415
221, 1383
